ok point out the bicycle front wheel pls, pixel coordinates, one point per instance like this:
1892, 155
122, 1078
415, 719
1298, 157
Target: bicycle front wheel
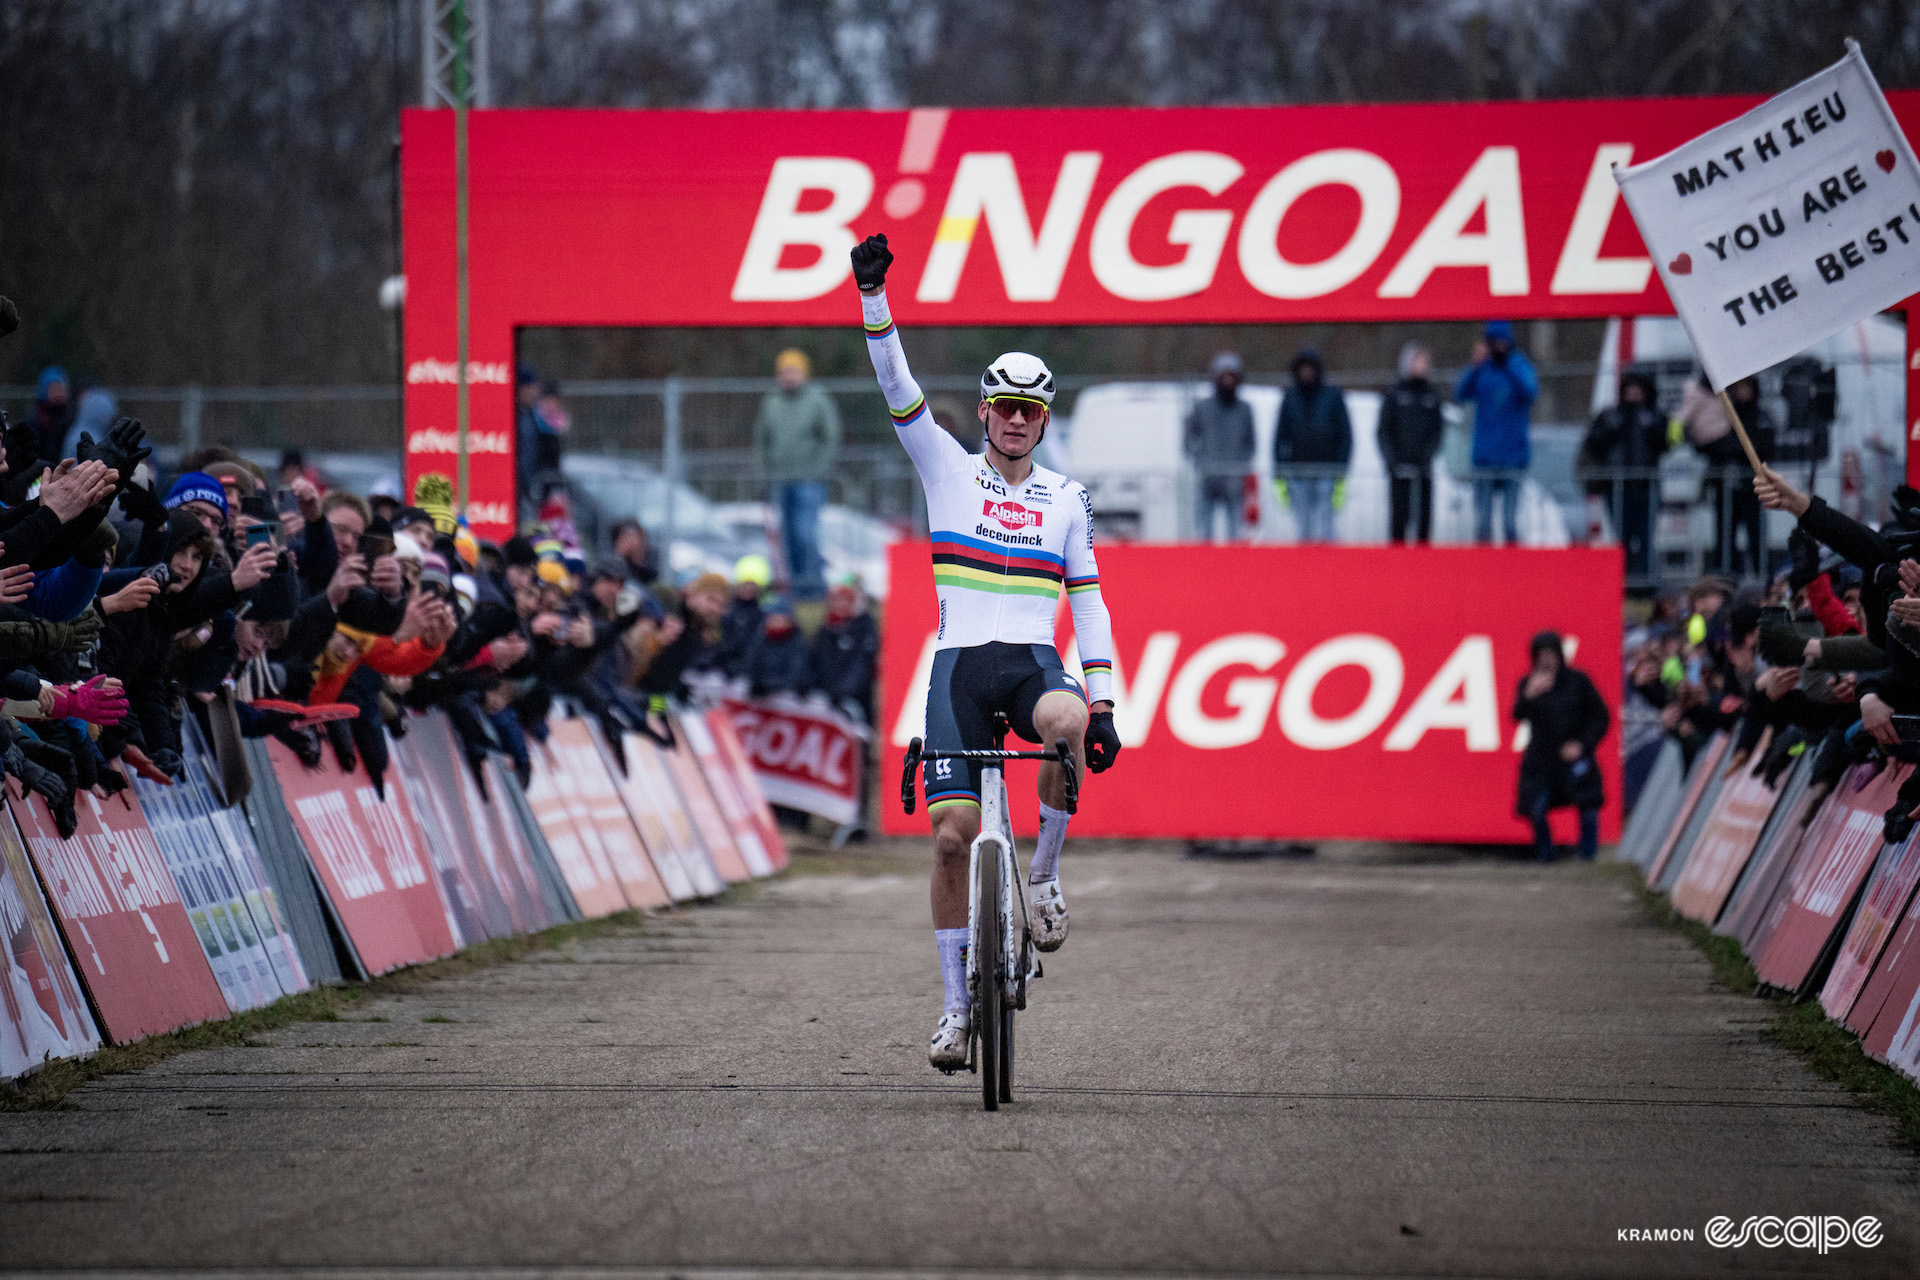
1006, 1051
986, 999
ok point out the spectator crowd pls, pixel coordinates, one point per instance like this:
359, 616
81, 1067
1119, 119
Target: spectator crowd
268, 605
1823, 659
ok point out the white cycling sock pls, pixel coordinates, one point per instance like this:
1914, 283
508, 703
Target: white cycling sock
953, 966
1046, 855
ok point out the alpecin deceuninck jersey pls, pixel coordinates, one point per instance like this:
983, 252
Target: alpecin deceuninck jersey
1002, 553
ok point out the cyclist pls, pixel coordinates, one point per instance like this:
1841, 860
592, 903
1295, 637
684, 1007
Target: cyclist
1008, 537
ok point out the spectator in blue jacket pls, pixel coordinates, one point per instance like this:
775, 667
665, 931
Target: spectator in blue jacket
1503, 386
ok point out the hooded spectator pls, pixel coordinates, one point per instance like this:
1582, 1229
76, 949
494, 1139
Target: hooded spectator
53, 413
846, 651
1312, 447
98, 409
1626, 440
1219, 445
1409, 432
777, 661
1502, 386
1566, 718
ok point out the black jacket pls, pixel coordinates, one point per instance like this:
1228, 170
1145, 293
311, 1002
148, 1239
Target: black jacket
1410, 423
1313, 427
1571, 711
1626, 435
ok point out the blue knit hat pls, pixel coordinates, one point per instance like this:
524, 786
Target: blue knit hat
198, 486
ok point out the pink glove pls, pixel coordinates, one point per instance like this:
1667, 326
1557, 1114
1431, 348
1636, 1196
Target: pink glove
92, 702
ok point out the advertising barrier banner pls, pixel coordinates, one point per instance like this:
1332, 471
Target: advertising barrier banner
691, 726
501, 804
122, 916
442, 803
1726, 843
43, 1016
371, 869
588, 788
1882, 906
1772, 855
576, 847
1653, 816
197, 858
1887, 1015
704, 816
806, 755
1826, 879
748, 782
1700, 780
287, 869
1321, 711
654, 806
466, 901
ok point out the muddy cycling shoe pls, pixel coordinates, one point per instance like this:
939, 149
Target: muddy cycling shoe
948, 1049
1049, 915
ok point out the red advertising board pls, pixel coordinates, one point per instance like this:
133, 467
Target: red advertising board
122, 916
1302, 692
1882, 906
1887, 1015
1721, 853
1199, 215
374, 871
759, 811
805, 756
1827, 876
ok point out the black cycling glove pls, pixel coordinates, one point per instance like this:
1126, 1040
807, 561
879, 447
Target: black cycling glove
871, 258
1103, 742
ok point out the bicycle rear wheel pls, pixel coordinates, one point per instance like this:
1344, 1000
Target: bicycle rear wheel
986, 1000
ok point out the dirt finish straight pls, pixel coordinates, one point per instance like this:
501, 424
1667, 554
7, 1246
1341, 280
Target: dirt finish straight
1342, 1067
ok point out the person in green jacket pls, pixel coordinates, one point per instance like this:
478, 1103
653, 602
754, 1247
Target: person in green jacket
796, 437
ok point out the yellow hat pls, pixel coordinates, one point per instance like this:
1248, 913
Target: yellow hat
433, 494
793, 357
753, 568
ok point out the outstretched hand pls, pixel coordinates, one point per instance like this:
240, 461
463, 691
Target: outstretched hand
871, 258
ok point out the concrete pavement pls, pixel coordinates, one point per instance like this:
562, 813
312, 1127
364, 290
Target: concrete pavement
1357, 1065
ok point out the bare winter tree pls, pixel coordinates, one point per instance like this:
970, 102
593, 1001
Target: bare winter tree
201, 189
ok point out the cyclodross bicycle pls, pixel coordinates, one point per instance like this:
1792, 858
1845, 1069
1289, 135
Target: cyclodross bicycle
1001, 959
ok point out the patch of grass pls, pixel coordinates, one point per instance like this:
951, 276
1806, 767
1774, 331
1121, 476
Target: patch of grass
438, 1017
1829, 1048
49, 1086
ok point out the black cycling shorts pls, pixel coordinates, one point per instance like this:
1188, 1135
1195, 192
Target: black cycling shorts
968, 686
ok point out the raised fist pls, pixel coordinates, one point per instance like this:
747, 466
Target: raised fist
871, 258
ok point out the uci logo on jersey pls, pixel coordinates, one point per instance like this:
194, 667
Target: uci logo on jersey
1011, 515
991, 486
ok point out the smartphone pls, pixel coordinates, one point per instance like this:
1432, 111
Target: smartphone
286, 501
373, 546
1908, 727
259, 535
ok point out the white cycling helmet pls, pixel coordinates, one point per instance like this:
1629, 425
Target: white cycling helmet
1018, 374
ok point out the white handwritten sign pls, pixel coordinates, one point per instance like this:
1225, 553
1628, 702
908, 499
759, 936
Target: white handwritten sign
1786, 225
